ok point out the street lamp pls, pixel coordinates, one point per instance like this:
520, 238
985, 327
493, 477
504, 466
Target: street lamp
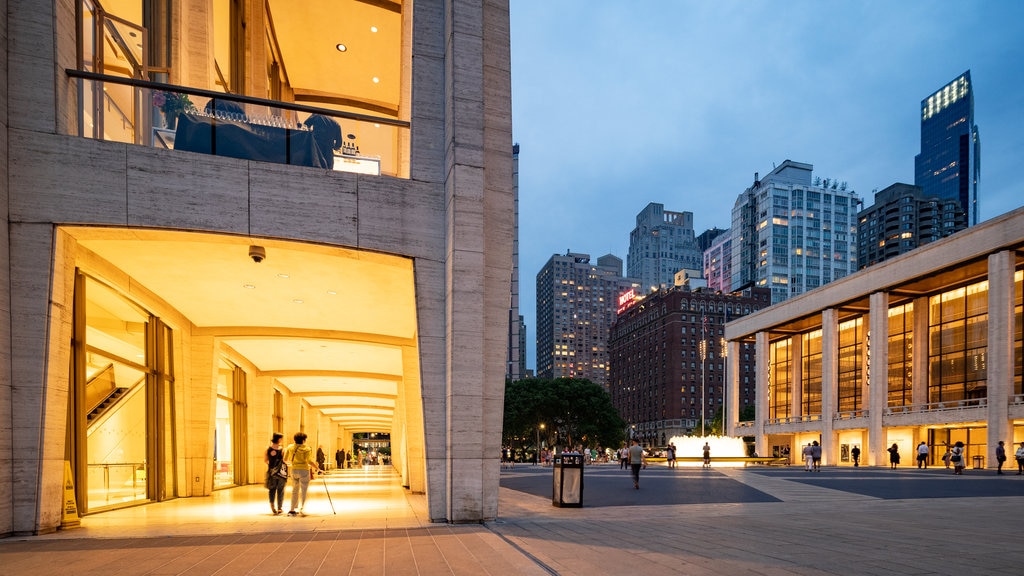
725, 384
536, 450
703, 382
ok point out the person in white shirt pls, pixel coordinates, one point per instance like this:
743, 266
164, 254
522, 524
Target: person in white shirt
922, 455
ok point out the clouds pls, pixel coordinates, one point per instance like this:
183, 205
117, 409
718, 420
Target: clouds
617, 104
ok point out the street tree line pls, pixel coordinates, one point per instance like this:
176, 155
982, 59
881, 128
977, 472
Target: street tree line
568, 412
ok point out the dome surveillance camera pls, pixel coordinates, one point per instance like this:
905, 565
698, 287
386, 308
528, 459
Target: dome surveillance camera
257, 253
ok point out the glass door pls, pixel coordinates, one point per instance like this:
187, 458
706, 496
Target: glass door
230, 439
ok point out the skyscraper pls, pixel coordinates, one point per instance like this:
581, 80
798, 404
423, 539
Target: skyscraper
792, 235
662, 244
902, 219
949, 164
576, 306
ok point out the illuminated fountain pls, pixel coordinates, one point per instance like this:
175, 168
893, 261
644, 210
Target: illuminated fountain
693, 446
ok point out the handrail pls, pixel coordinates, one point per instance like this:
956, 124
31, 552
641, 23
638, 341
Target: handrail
233, 97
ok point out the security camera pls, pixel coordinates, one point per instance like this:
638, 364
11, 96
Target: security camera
257, 253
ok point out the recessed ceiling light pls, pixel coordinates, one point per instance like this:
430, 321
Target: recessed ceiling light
298, 301
376, 80
341, 47
282, 276
332, 292
249, 286
373, 28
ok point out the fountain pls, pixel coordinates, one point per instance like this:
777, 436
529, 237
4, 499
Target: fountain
693, 446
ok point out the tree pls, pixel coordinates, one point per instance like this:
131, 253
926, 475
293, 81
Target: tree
574, 410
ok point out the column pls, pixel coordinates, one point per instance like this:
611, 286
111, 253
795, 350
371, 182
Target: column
1000, 352
829, 384
762, 383
732, 394
877, 352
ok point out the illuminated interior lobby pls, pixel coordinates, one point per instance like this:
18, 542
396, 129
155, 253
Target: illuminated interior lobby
923, 348
192, 263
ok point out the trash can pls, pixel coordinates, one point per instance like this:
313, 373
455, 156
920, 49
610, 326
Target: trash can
979, 462
567, 484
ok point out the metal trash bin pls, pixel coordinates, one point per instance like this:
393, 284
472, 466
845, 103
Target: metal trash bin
567, 483
979, 462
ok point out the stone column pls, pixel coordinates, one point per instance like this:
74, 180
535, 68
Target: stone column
762, 382
732, 394
1000, 352
878, 376
829, 384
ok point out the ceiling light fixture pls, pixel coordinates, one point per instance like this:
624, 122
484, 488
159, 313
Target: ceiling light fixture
376, 80
341, 47
332, 292
282, 276
298, 301
249, 286
373, 28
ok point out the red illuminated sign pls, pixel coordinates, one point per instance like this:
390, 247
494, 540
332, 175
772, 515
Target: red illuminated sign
626, 300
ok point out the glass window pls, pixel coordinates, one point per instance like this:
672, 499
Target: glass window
958, 340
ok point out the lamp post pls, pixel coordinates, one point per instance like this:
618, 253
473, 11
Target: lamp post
536, 449
703, 383
725, 384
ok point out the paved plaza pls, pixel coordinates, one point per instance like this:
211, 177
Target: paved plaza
736, 521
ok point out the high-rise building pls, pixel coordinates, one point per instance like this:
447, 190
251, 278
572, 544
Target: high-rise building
949, 164
718, 263
790, 234
662, 244
660, 382
901, 219
576, 305
515, 360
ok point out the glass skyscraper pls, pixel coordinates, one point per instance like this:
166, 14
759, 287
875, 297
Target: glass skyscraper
950, 159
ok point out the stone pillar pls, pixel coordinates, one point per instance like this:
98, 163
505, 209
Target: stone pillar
878, 377
829, 384
1000, 352
762, 383
732, 383
198, 404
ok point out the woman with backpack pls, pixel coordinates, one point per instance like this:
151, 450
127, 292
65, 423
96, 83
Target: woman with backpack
277, 472
303, 464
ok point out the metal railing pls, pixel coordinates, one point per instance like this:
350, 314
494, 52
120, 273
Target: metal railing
163, 115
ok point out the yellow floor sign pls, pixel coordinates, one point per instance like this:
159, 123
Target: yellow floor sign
69, 518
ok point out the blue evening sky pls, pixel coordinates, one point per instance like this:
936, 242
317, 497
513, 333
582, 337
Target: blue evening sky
616, 104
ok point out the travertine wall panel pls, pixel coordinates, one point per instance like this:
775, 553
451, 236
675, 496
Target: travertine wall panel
290, 202
6, 451
54, 179
401, 217
30, 54
186, 190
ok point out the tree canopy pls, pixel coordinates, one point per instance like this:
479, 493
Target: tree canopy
574, 411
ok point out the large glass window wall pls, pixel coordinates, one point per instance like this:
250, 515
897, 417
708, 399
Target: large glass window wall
851, 365
1018, 332
958, 338
780, 379
810, 399
901, 355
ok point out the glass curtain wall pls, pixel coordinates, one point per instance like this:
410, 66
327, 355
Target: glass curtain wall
901, 355
851, 365
230, 439
780, 380
122, 377
810, 399
1018, 331
957, 353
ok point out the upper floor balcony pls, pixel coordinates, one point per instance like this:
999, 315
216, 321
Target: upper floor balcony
320, 84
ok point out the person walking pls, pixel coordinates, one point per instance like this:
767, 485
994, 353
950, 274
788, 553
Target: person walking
805, 453
636, 461
856, 455
624, 458
1000, 457
321, 458
303, 464
922, 455
707, 455
894, 455
816, 456
947, 456
276, 477
671, 455
1019, 455
956, 456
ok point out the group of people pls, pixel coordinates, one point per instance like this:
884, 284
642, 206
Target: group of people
297, 462
812, 457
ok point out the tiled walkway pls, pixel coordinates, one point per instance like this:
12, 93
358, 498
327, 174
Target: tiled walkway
379, 529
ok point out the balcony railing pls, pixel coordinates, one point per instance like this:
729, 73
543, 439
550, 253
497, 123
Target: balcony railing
176, 117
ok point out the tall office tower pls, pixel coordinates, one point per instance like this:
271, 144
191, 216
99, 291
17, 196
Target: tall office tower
792, 235
949, 164
662, 244
515, 359
659, 380
901, 219
576, 305
718, 263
